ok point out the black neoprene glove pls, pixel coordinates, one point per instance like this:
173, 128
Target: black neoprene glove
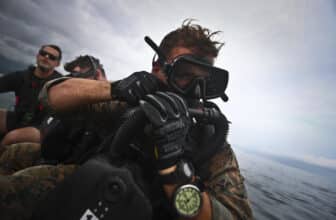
134, 87
169, 118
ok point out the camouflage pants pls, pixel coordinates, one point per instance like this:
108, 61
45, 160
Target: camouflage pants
21, 191
19, 156
23, 185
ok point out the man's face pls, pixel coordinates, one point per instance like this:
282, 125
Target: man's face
48, 58
185, 73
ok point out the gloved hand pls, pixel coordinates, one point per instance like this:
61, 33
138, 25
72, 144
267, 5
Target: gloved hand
135, 87
169, 118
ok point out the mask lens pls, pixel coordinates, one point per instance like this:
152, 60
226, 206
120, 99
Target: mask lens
188, 72
87, 74
184, 73
87, 67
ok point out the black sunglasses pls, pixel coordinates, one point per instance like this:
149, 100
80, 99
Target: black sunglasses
48, 55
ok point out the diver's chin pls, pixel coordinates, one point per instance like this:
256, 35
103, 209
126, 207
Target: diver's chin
43, 69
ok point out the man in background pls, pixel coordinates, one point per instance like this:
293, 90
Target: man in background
22, 124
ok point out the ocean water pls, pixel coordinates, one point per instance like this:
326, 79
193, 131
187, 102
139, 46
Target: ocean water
279, 191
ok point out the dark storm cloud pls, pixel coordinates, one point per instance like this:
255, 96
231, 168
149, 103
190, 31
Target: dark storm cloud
41, 16
26, 25
75, 26
19, 46
115, 13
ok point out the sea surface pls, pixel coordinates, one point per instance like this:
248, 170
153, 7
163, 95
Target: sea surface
279, 191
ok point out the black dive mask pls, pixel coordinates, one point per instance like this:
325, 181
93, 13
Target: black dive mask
193, 76
89, 73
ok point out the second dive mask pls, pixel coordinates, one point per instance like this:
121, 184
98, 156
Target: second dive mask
193, 76
80, 61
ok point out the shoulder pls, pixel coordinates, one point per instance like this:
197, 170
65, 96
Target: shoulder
43, 96
19, 73
51, 83
223, 161
226, 187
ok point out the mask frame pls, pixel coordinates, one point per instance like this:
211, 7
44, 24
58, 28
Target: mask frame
210, 87
91, 72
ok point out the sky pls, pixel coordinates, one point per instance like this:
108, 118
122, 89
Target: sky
280, 55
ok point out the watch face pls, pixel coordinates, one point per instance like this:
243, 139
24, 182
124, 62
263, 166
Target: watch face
188, 200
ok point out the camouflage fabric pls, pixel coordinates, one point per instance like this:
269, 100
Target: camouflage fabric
226, 188
19, 156
20, 192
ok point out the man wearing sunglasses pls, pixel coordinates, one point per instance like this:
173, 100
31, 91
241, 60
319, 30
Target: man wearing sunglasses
22, 124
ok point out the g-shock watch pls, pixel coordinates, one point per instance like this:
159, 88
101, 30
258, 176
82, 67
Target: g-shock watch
187, 200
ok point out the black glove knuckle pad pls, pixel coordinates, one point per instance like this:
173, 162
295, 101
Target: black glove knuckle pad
135, 87
168, 115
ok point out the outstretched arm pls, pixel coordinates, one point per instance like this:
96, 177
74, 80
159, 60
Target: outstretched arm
70, 93
65, 94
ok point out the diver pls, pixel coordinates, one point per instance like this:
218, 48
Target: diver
178, 166
22, 124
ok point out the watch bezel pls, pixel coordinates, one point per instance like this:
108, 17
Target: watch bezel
179, 190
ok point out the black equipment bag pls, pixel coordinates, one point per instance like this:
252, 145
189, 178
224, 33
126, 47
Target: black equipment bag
97, 190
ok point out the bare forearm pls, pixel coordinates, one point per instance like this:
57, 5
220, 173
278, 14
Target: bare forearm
73, 93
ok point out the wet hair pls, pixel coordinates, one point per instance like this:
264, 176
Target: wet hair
194, 37
54, 47
82, 62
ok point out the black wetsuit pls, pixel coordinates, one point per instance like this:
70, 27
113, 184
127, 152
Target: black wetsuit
26, 86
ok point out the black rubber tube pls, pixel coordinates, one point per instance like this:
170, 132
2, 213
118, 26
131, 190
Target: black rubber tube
135, 119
